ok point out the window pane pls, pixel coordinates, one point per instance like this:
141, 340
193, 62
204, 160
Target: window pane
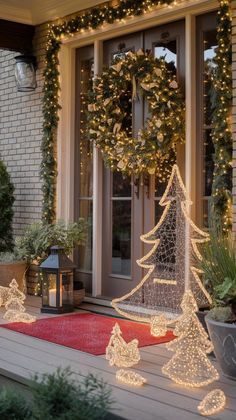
121, 237
121, 185
85, 147
85, 251
209, 51
168, 50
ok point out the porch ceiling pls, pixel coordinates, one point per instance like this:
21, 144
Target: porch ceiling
39, 11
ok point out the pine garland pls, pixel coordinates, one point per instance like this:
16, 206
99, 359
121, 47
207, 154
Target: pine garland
221, 200
93, 19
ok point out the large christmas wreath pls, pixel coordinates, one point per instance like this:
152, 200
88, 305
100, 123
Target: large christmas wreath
133, 77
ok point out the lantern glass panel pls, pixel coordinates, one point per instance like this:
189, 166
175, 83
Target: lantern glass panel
66, 280
25, 76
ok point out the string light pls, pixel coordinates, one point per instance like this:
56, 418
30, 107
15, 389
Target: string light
190, 365
129, 377
120, 353
212, 403
15, 310
161, 289
221, 77
158, 326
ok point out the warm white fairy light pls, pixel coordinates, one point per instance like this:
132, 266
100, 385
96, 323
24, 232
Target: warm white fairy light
119, 353
15, 310
158, 326
129, 377
212, 403
190, 365
4, 294
162, 287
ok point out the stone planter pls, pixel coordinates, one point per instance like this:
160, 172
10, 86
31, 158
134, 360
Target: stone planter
12, 270
33, 280
223, 337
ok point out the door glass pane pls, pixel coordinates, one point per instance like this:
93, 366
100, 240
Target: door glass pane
121, 185
168, 50
85, 181
209, 51
85, 146
121, 237
85, 250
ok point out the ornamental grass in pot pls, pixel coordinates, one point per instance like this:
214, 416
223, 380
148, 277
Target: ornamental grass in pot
219, 271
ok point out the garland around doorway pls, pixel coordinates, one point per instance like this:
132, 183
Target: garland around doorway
90, 20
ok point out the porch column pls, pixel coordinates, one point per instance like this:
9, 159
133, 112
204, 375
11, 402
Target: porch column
97, 194
190, 147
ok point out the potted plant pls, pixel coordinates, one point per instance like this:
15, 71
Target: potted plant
37, 239
219, 270
10, 264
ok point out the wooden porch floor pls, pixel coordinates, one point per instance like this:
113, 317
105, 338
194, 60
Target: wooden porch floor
21, 356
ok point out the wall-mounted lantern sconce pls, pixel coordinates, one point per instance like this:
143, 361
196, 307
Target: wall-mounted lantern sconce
25, 73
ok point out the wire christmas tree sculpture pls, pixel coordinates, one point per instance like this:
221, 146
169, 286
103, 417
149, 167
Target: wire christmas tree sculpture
15, 310
170, 264
119, 353
190, 365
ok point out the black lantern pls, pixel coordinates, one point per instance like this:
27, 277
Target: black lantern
57, 282
25, 73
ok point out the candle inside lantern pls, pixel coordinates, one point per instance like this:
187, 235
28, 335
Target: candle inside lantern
53, 297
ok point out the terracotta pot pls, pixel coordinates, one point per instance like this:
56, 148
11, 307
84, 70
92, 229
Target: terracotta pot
223, 337
13, 270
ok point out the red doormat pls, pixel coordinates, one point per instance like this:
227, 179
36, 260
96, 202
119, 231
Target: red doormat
86, 332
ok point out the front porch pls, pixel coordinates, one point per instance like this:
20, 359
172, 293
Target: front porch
22, 356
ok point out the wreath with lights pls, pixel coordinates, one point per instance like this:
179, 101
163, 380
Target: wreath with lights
129, 79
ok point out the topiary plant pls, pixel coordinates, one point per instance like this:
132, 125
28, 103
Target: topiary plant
58, 396
14, 406
6, 210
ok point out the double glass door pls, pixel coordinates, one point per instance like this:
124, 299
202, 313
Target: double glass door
131, 204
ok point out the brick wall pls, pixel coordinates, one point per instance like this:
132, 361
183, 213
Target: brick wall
234, 112
21, 133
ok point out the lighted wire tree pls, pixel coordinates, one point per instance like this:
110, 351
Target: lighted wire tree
170, 264
15, 310
190, 365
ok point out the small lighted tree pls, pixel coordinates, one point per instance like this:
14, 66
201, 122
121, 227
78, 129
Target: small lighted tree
190, 365
15, 310
119, 353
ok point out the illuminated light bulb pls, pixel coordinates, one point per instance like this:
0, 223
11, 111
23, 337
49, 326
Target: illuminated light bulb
129, 377
212, 403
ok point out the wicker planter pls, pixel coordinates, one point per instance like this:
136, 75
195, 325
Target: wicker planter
33, 280
78, 297
13, 270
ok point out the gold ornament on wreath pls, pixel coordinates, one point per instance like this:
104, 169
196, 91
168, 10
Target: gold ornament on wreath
111, 101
